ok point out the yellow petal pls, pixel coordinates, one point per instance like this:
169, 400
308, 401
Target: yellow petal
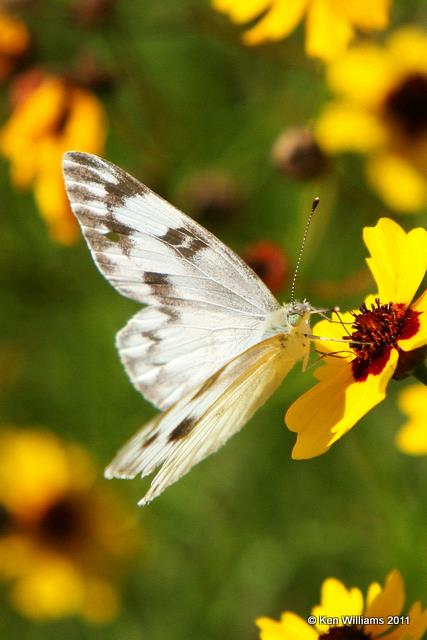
412, 438
388, 602
35, 468
34, 117
367, 14
415, 629
373, 590
328, 30
346, 127
338, 328
54, 591
85, 107
398, 260
290, 627
54, 206
278, 22
270, 629
408, 49
362, 76
399, 184
17, 555
332, 407
337, 601
241, 11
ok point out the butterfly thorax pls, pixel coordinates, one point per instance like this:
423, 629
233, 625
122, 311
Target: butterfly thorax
288, 317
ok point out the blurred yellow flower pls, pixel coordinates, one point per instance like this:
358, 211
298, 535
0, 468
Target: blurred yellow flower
14, 42
62, 538
387, 339
412, 438
54, 117
381, 110
343, 614
330, 24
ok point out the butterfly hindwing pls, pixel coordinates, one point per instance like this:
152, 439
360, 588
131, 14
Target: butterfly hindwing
205, 419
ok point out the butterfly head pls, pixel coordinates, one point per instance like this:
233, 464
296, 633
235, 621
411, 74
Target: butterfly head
295, 312
287, 317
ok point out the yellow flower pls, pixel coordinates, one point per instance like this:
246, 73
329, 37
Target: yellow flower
55, 117
387, 339
380, 110
61, 537
343, 614
330, 24
14, 42
412, 438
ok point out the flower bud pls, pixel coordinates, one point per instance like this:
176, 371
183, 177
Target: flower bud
296, 153
212, 195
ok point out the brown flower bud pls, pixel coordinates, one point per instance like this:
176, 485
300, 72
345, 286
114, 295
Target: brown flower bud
296, 153
89, 72
212, 195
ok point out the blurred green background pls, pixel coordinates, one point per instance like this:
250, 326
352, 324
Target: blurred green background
248, 532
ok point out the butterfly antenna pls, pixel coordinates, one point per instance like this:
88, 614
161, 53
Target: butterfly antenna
301, 251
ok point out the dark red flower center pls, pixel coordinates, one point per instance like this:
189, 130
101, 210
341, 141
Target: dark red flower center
350, 632
406, 104
376, 332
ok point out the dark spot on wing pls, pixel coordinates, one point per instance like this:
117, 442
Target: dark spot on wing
87, 173
86, 217
119, 233
81, 193
187, 244
152, 277
126, 187
151, 336
107, 265
149, 441
182, 430
118, 227
97, 240
170, 313
83, 160
159, 283
174, 237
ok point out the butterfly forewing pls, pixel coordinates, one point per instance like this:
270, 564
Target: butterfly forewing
204, 296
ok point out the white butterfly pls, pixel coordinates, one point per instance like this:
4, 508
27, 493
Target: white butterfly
212, 345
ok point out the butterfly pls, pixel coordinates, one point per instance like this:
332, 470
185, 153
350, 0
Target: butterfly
213, 343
